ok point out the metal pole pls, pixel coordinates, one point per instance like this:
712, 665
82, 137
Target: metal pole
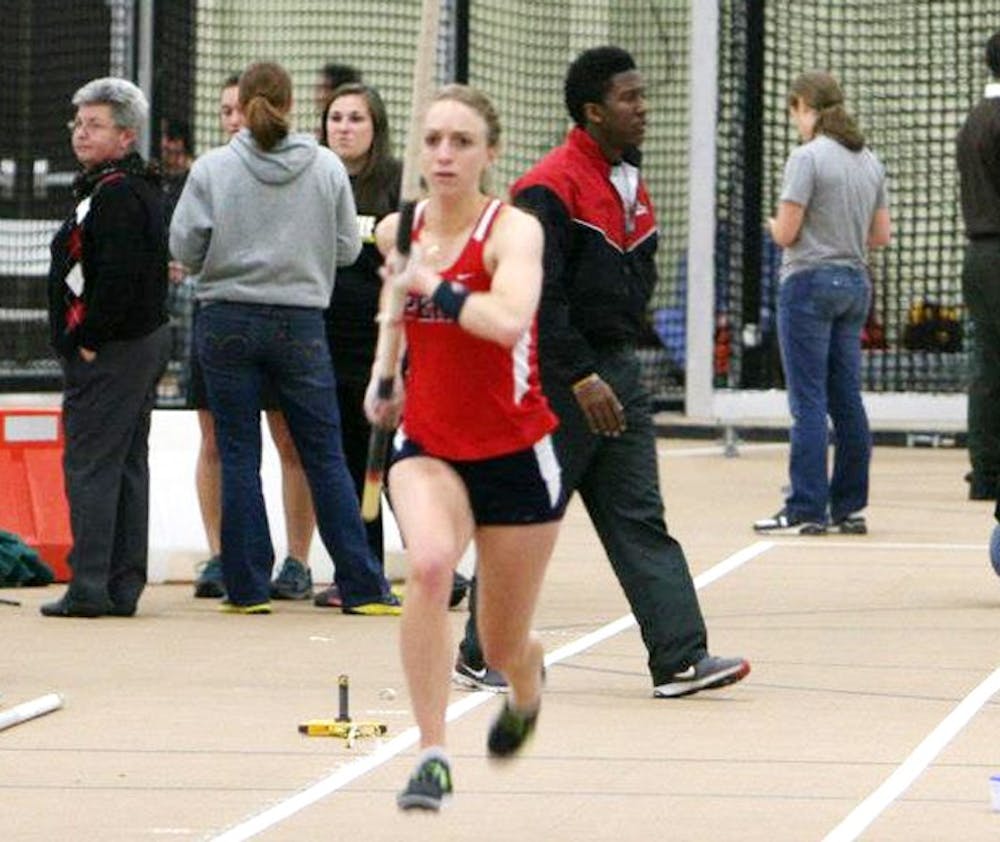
700, 316
754, 367
144, 74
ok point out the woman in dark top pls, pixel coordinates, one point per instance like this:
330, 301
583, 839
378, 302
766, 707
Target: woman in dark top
355, 126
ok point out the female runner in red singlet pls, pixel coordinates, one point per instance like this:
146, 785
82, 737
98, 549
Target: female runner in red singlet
473, 459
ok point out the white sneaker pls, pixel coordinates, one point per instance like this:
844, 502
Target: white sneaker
710, 672
782, 524
485, 678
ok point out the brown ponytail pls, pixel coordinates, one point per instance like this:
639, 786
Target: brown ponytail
266, 100
820, 91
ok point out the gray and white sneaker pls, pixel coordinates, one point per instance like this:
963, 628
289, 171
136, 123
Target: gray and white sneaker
294, 581
708, 674
784, 524
851, 525
210, 583
485, 678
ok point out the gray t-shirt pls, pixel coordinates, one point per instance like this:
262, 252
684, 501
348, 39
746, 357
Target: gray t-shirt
840, 191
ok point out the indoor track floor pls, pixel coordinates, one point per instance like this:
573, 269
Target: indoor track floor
872, 710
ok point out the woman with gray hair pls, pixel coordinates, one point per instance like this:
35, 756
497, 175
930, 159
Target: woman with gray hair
107, 314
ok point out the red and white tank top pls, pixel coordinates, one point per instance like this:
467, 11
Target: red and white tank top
469, 398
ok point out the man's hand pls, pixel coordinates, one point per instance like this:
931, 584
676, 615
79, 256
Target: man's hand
601, 407
87, 355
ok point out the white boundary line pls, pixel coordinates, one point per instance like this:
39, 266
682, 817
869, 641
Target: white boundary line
385, 752
900, 780
728, 565
819, 542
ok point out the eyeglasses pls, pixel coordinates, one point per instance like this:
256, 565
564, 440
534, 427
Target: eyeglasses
89, 126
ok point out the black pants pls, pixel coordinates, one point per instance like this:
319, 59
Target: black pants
981, 291
107, 407
618, 481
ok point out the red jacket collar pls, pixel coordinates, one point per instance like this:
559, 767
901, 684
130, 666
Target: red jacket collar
580, 140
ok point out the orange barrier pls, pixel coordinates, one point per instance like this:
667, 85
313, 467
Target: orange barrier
32, 500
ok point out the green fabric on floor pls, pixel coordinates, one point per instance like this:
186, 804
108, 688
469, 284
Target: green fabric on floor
20, 565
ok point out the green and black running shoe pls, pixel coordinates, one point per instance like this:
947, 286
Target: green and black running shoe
510, 731
428, 788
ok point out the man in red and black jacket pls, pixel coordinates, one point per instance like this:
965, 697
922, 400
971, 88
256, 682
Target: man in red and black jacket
600, 247
108, 321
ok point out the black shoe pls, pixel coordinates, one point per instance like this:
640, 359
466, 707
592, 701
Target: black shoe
980, 487
429, 787
459, 588
709, 673
295, 581
485, 678
510, 731
210, 584
851, 525
64, 608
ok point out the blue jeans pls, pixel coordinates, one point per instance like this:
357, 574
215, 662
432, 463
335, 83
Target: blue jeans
239, 345
820, 315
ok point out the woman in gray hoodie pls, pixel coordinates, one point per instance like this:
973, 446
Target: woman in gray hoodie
266, 220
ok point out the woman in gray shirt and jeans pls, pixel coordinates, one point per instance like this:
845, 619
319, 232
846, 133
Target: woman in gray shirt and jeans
833, 207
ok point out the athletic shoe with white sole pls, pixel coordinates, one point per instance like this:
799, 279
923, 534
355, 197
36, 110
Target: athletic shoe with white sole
429, 787
851, 525
293, 582
783, 524
210, 584
485, 678
708, 674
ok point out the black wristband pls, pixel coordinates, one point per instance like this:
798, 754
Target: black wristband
449, 300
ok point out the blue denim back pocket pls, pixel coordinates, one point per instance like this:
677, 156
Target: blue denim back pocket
225, 334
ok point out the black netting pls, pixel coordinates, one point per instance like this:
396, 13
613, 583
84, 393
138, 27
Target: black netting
199, 44
519, 52
51, 47
910, 72
40, 67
